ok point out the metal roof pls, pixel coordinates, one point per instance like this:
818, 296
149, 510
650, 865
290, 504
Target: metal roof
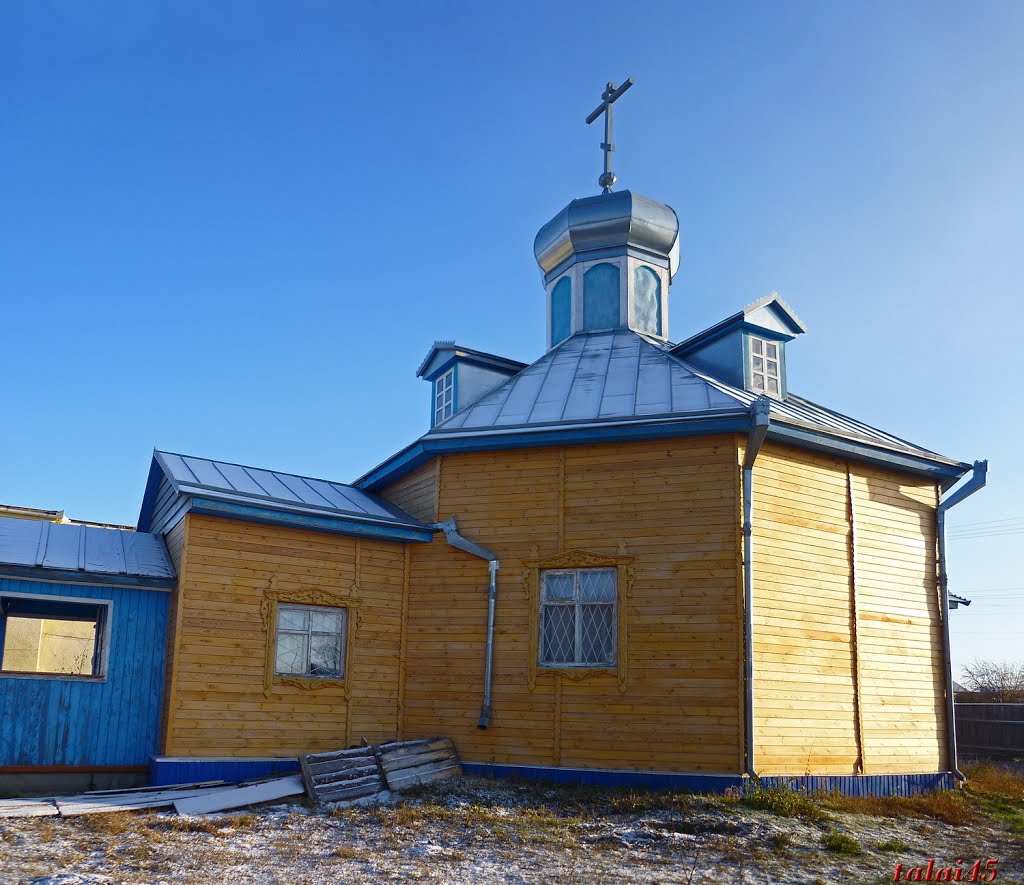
253, 486
621, 375
32, 544
591, 376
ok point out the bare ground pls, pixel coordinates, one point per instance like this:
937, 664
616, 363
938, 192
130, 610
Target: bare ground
473, 830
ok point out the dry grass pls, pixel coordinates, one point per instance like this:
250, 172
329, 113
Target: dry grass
196, 825
999, 791
346, 852
987, 777
113, 824
949, 806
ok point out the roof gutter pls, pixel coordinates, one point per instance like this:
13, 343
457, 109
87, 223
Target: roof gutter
760, 418
979, 473
451, 534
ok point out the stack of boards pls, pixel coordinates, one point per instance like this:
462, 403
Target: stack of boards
326, 777
365, 771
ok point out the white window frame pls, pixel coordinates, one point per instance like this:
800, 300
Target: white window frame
309, 633
104, 662
444, 396
765, 374
578, 604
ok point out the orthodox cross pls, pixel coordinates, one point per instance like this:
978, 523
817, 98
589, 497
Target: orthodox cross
611, 94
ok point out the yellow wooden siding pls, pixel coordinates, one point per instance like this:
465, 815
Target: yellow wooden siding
902, 670
416, 493
671, 506
802, 617
847, 648
218, 705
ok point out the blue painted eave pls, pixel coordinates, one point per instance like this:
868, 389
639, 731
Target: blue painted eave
358, 528
431, 445
65, 576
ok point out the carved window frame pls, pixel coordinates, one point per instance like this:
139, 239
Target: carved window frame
274, 595
580, 559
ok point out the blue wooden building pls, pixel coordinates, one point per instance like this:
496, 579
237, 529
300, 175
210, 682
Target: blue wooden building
83, 636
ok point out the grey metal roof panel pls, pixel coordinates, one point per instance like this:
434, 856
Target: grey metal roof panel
235, 483
82, 548
621, 375
590, 376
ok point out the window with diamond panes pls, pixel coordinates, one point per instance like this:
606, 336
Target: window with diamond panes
444, 396
310, 641
764, 366
577, 617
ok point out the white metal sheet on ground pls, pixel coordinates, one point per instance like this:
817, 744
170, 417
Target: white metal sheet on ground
238, 797
27, 808
71, 806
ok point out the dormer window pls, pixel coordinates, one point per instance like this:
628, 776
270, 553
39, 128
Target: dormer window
444, 396
764, 366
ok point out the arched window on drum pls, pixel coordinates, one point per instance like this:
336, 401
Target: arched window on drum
647, 301
601, 297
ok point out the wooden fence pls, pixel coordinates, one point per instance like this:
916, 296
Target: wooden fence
995, 730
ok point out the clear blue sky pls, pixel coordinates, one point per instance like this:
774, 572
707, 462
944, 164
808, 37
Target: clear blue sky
234, 229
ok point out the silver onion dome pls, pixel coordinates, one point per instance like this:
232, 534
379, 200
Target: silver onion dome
607, 225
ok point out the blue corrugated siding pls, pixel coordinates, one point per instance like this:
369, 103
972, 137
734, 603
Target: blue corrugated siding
865, 784
164, 771
85, 723
652, 780
852, 785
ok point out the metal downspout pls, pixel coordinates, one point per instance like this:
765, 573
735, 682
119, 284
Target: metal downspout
760, 418
451, 534
976, 482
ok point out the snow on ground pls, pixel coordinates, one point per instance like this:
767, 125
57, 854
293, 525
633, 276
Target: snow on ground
473, 830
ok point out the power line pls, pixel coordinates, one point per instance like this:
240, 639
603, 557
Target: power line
968, 535
965, 525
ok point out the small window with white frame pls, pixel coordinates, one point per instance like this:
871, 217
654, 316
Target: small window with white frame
578, 617
764, 367
310, 641
444, 396
54, 636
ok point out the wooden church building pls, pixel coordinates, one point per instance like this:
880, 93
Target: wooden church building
627, 561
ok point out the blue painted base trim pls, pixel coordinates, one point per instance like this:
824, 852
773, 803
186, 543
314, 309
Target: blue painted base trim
165, 770
865, 784
654, 780
849, 785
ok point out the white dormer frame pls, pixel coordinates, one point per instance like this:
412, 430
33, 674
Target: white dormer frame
765, 366
444, 397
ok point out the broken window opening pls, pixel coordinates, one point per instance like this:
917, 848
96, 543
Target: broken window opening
53, 636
